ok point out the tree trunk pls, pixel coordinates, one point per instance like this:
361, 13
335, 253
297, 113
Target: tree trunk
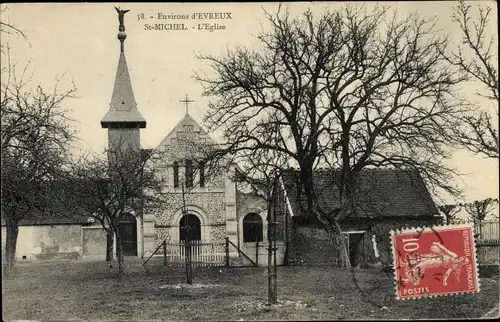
11, 244
270, 277
109, 245
189, 269
335, 234
275, 272
119, 254
271, 270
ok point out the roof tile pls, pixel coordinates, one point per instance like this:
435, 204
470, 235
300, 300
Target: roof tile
379, 193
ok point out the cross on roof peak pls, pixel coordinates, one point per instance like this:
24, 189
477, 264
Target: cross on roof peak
186, 101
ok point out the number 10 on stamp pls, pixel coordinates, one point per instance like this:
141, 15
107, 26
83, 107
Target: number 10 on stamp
434, 261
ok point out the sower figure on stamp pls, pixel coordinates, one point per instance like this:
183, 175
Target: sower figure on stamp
440, 256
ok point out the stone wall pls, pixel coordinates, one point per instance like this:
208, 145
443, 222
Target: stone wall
218, 233
249, 202
212, 203
309, 244
188, 141
94, 242
47, 242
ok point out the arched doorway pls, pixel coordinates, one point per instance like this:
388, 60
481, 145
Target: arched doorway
189, 227
252, 228
127, 228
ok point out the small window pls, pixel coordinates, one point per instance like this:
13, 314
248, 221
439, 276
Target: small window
176, 174
189, 173
202, 175
252, 228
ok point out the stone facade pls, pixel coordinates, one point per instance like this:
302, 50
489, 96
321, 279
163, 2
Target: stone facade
217, 202
206, 200
212, 204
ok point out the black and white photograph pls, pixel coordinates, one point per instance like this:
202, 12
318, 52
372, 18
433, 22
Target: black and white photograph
237, 161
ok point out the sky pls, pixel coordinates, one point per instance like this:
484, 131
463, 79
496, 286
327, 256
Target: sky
78, 41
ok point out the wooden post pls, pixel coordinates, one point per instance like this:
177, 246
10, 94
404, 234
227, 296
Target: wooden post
227, 251
189, 262
257, 253
275, 273
164, 253
269, 256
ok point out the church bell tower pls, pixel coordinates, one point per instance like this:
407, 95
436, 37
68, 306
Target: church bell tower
123, 120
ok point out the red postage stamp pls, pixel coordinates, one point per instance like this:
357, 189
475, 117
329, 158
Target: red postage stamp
434, 261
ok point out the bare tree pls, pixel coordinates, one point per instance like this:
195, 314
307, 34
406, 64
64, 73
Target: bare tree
36, 135
477, 59
7, 29
120, 182
479, 209
450, 211
186, 185
261, 169
348, 90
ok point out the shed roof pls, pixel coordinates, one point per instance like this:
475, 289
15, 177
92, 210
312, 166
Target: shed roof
379, 193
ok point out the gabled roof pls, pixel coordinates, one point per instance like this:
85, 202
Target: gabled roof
187, 123
379, 193
123, 107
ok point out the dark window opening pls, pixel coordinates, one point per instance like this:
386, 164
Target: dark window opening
202, 175
176, 174
190, 227
252, 228
189, 173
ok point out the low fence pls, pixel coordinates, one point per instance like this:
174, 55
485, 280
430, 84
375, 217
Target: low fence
488, 233
202, 254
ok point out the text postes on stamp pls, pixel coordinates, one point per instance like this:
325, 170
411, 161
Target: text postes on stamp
434, 261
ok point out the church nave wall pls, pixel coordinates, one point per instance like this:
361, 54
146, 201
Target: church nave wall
211, 203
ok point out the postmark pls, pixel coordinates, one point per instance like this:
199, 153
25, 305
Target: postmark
434, 261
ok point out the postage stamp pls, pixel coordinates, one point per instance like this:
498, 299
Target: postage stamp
434, 261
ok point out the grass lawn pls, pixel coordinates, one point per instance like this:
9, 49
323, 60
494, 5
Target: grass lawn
76, 290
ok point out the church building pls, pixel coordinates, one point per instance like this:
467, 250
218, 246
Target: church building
211, 205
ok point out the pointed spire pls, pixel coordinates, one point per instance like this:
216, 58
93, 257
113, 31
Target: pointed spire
123, 107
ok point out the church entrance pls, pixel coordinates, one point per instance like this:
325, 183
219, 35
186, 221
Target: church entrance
191, 242
127, 228
190, 227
